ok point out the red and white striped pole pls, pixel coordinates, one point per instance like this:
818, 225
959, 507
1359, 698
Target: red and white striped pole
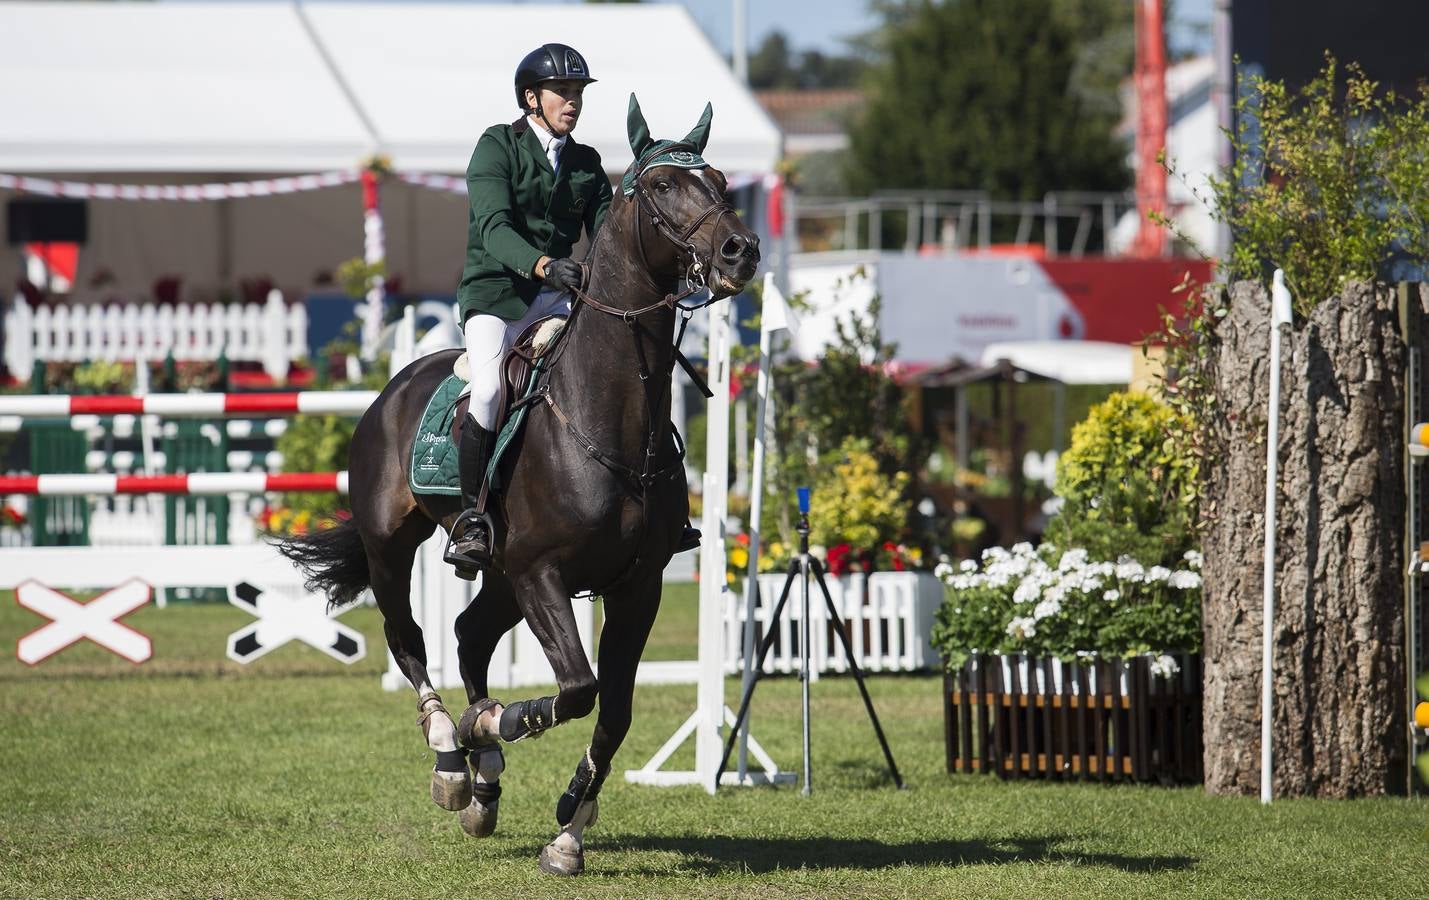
188, 406
374, 250
195, 484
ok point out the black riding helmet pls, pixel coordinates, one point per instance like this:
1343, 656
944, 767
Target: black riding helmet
549, 62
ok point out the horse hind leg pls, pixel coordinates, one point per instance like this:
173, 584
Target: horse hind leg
390, 565
479, 628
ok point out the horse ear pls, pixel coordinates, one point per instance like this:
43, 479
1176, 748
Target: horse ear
635, 125
700, 134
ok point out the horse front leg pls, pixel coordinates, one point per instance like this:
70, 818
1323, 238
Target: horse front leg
479, 628
546, 605
629, 615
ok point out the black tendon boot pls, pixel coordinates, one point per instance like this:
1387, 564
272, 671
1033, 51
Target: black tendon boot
470, 547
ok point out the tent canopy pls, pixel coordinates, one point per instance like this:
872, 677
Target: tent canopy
255, 88
1070, 362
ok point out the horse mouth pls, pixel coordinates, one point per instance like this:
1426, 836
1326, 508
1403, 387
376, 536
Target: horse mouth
724, 286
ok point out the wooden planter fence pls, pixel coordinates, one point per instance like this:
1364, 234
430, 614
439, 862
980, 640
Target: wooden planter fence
1107, 720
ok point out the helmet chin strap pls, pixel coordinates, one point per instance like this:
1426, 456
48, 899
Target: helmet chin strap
541, 112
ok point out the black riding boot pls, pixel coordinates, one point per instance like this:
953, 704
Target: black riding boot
689, 538
470, 549
689, 535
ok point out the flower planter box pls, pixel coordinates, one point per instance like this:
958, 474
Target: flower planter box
1106, 720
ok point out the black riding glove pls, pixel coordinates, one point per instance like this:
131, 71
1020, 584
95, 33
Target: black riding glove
563, 275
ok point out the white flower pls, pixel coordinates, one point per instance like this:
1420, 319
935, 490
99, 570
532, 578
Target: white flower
1185, 579
1022, 628
942, 571
1049, 607
1027, 591
1158, 573
1112, 595
967, 565
1022, 548
1128, 569
1193, 558
1164, 666
1072, 559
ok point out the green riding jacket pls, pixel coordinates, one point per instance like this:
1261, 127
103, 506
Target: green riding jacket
521, 211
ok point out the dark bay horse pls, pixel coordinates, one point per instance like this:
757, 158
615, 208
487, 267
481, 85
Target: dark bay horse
594, 494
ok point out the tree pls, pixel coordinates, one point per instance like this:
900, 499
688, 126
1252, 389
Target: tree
769, 64
775, 65
987, 94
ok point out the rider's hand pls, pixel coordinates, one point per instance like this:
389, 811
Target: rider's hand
563, 275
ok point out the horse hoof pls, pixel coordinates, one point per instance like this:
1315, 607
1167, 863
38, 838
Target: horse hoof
451, 790
555, 861
479, 819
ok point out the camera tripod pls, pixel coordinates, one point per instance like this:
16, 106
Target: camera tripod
803, 566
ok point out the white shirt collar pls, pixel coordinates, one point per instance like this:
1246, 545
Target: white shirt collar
550, 143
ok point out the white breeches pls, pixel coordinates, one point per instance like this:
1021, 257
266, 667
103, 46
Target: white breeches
487, 340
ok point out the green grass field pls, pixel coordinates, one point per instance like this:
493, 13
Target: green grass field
191, 776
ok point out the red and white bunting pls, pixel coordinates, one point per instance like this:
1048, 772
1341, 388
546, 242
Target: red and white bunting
73, 621
232, 190
188, 406
105, 485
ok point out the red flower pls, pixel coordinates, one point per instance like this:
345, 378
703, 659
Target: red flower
838, 560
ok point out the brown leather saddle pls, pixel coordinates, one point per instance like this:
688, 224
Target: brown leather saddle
538, 340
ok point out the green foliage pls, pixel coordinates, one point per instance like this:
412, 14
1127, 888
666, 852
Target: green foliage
1001, 95
1327, 184
856, 503
103, 377
1045, 602
847, 395
357, 276
315, 444
1127, 485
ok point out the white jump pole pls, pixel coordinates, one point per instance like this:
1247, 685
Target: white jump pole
773, 317
1279, 316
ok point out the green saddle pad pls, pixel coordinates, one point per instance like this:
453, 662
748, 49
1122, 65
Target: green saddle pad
435, 467
434, 455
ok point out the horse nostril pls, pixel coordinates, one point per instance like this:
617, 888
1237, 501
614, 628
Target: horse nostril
733, 248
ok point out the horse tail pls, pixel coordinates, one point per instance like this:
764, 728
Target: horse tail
333, 559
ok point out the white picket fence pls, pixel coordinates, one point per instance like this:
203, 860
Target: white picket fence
272, 333
889, 617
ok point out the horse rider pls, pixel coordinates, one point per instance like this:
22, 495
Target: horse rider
532, 188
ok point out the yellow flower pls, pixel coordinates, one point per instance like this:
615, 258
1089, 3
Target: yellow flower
739, 557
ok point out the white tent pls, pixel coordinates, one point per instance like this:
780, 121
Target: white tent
263, 87
179, 93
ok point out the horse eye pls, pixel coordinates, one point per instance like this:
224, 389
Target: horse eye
662, 186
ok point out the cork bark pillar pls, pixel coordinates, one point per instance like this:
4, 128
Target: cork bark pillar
1339, 667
